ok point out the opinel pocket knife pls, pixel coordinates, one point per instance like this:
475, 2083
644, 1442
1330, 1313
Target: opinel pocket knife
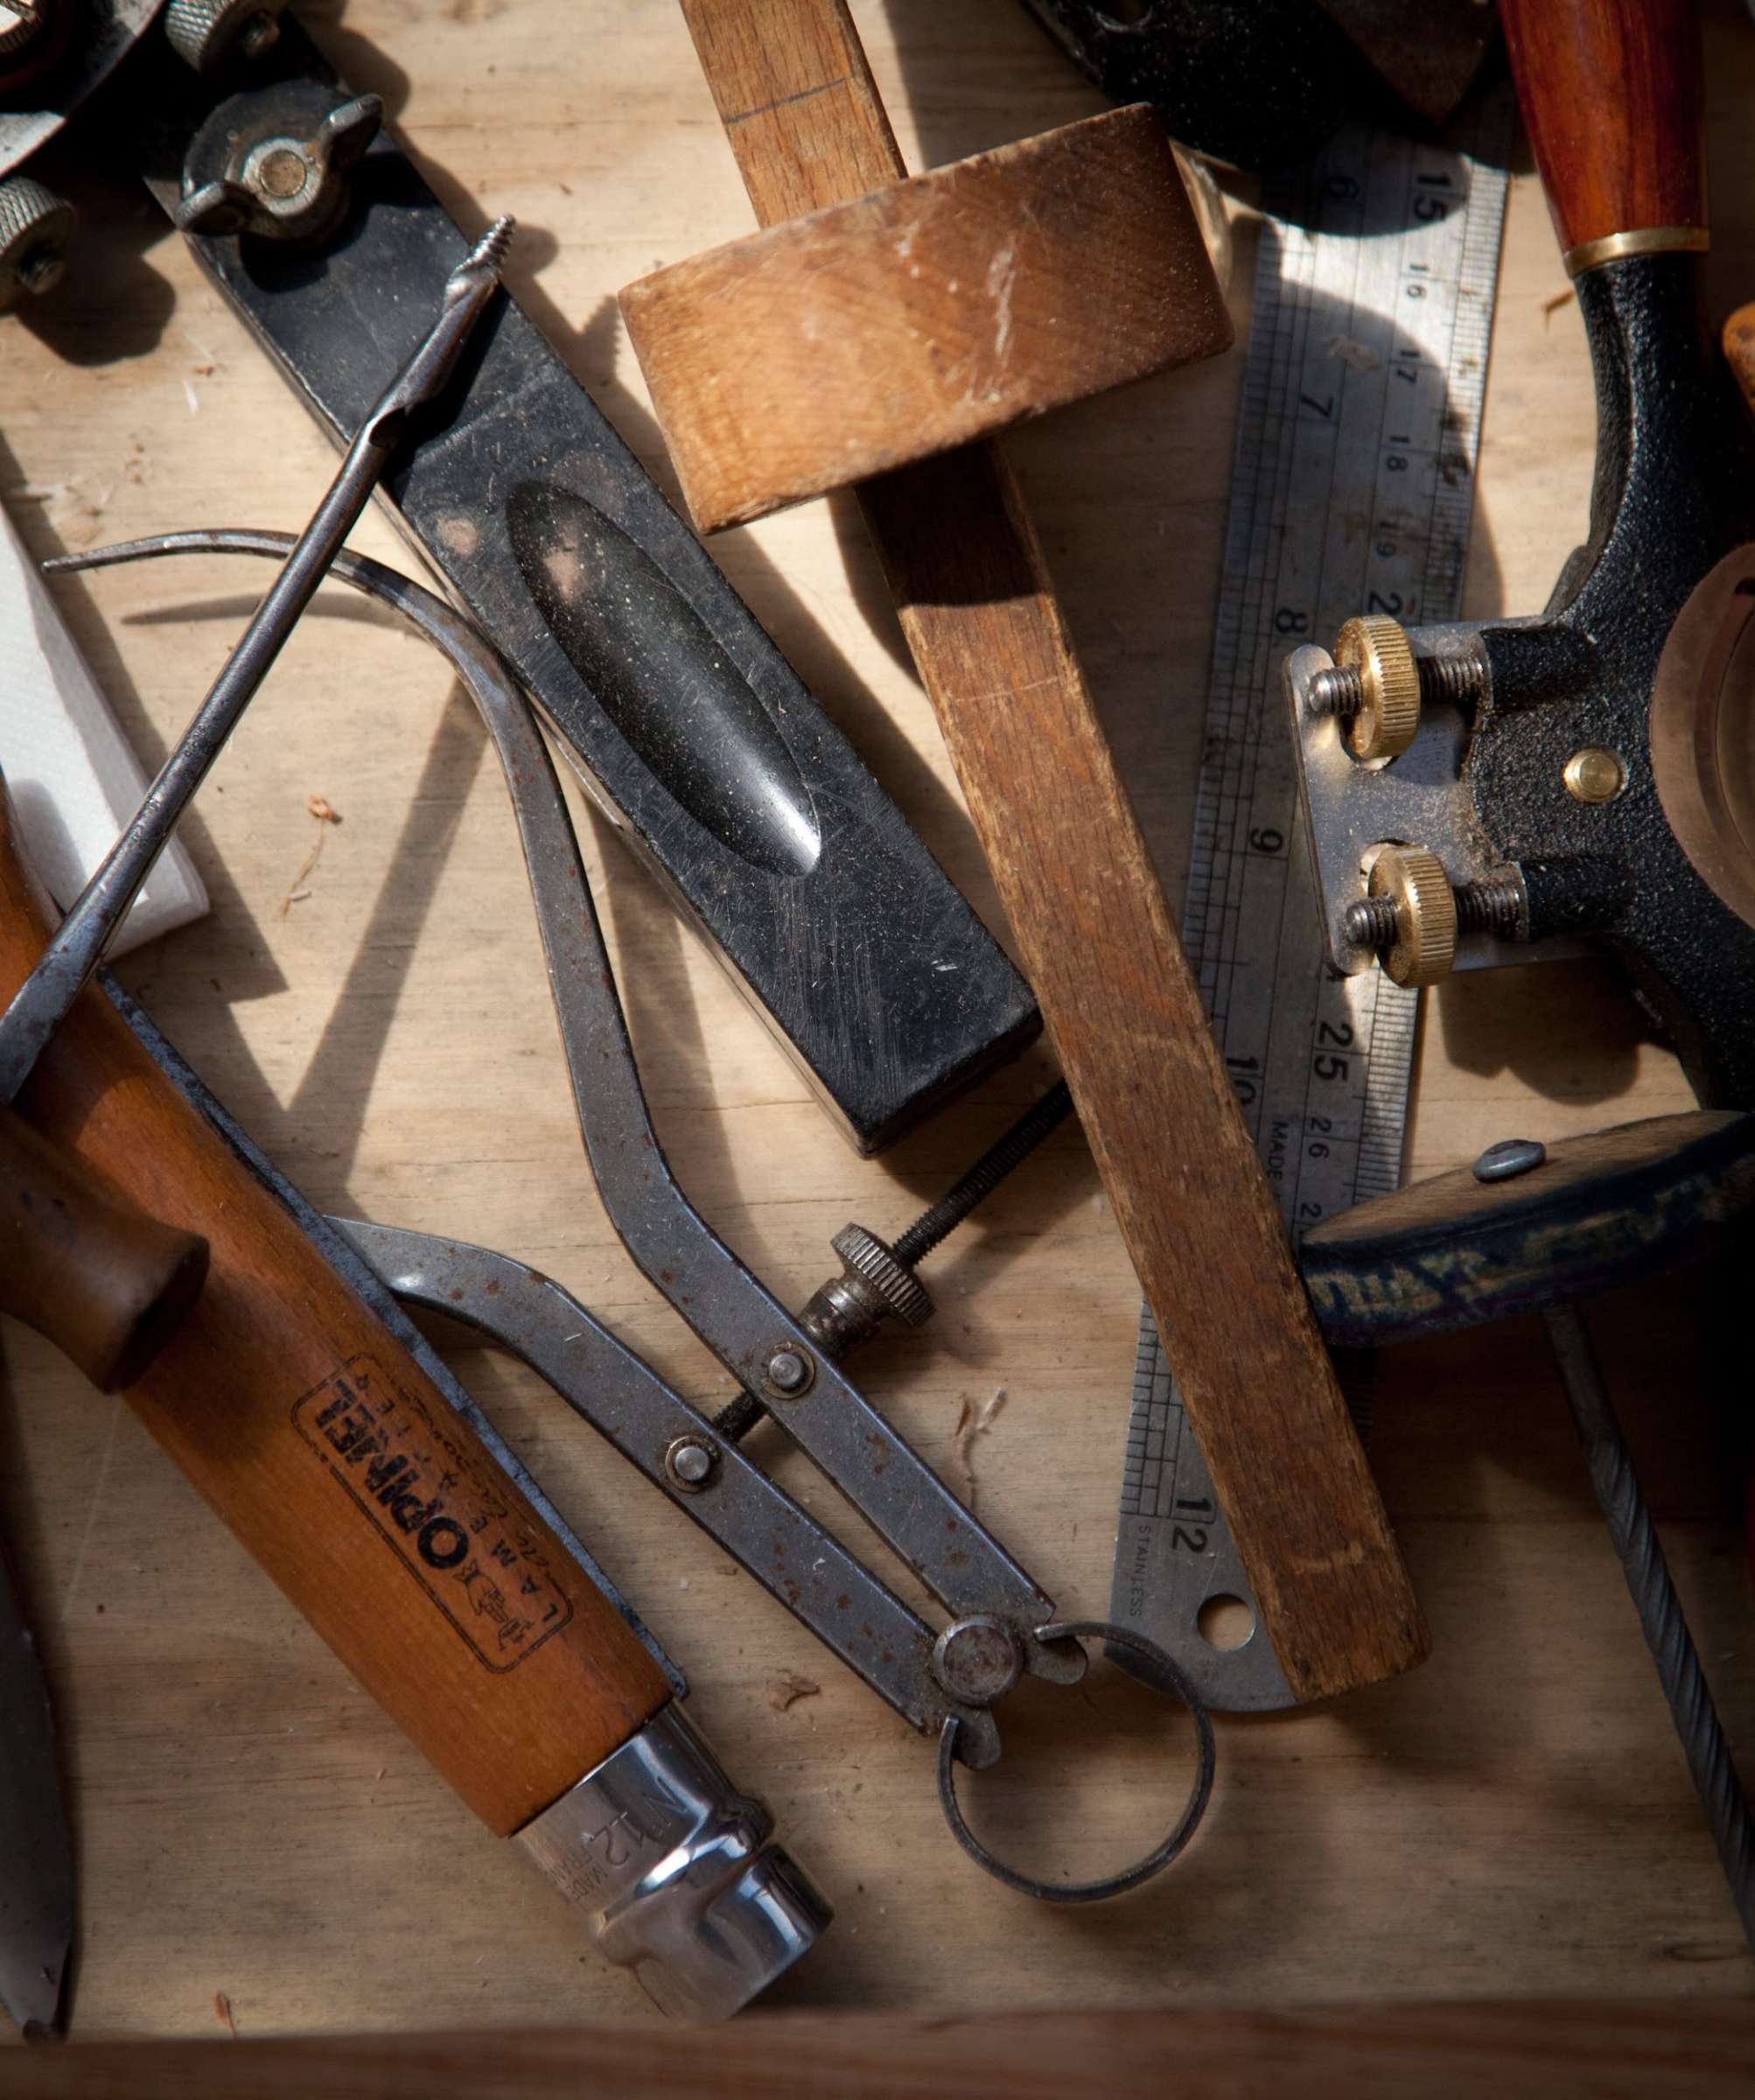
315, 1430
320, 1426
695, 735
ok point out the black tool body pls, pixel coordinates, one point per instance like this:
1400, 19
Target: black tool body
696, 735
1674, 499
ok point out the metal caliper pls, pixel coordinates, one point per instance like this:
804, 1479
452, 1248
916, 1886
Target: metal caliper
945, 1681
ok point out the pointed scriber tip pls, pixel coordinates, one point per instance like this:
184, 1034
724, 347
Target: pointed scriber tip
484, 259
468, 293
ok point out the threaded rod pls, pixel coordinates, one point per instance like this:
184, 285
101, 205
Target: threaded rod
1494, 905
1444, 682
1007, 1153
740, 1415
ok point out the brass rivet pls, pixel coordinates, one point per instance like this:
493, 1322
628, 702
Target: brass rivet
1594, 775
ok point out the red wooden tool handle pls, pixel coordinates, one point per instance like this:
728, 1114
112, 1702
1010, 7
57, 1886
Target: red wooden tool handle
319, 1440
1611, 92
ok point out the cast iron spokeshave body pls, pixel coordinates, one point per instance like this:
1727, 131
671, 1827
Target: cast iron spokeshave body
1643, 664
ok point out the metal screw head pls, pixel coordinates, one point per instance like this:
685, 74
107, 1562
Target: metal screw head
36, 227
977, 1660
274, 163
282, 170
1509, 1158
692, 1462
1594, 775
789, 1371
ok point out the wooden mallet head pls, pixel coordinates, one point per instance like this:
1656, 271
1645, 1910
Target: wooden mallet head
931, 312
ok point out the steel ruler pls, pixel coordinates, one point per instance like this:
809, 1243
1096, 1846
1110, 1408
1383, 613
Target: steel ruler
1352, 491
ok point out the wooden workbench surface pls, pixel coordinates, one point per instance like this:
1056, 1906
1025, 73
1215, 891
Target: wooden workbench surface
257, 1844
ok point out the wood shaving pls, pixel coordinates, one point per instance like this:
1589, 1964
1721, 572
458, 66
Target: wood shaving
788, 1689
222, 2012
973, 1421
325, 816
1551, 307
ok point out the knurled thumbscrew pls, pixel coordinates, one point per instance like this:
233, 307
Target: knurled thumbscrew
878, 1281
1412, 916
1376, 686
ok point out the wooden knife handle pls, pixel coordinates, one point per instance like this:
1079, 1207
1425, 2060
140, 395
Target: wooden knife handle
1611, 92
317, 1438
107, 1284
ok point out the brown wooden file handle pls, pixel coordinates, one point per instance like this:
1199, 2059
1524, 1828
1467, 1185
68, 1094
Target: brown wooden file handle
319, 1440
1611, 92
107, 1284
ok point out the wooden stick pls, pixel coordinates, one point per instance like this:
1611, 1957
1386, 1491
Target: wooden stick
797, 99
319, 1440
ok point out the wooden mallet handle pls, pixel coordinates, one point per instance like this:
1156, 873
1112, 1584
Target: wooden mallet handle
105, 1283
1611, 94
1099, 947
311, 1431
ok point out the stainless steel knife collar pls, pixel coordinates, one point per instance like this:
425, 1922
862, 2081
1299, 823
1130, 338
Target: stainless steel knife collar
675, 1870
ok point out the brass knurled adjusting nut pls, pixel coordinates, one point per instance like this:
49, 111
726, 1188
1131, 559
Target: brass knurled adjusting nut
1389, 680
1415, 881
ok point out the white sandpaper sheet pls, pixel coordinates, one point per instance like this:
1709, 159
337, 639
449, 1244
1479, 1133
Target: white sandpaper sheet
74, 778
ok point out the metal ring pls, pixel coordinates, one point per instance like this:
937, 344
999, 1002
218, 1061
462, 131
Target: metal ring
1166, 1676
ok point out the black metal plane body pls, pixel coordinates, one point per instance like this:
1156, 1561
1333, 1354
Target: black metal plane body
702, 744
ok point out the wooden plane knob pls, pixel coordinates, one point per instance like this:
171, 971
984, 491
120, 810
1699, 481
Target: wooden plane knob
1598, 1212
933, 311
107, 1284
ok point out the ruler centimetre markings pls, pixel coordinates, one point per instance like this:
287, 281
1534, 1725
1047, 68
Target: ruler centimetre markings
1352, 490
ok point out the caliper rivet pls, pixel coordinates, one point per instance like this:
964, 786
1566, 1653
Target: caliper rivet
692, 1462
789, 1371
977, 1660
1594, 774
